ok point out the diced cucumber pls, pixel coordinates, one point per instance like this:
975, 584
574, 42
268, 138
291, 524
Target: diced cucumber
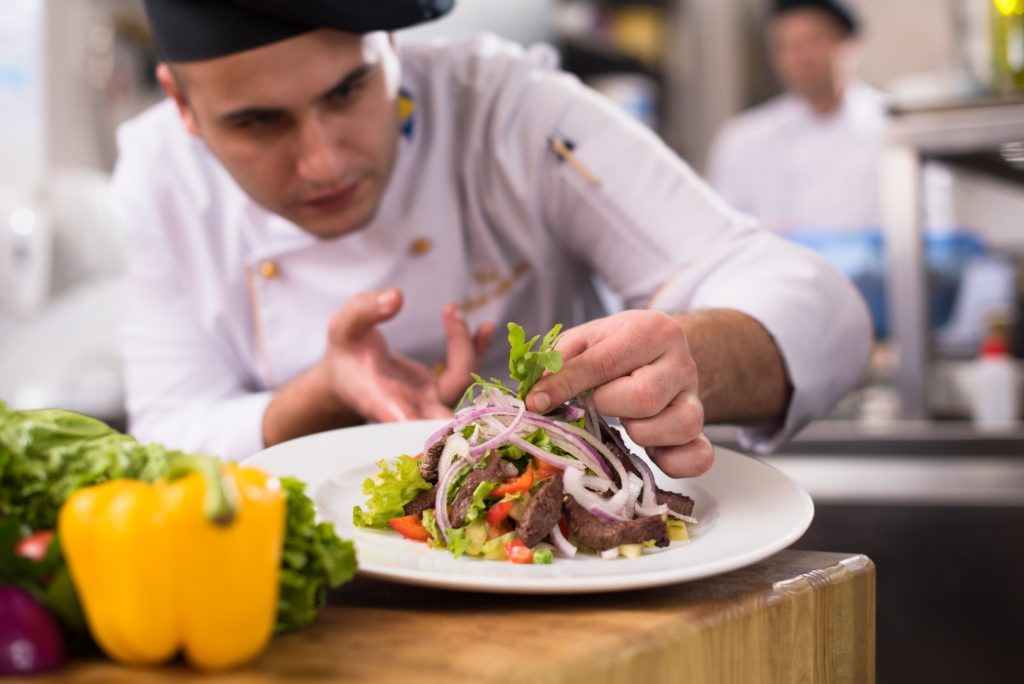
677, 530
476, 535
631, 550
494, 549
517, 510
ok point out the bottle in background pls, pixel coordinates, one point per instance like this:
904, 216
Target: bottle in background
1008, 46
996, 399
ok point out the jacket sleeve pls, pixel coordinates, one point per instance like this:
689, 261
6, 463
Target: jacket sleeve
185, 386
661, 238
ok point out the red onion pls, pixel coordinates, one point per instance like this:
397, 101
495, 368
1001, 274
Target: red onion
463, 418
602, 508
476, 452
29, 638
560, 462
563, 545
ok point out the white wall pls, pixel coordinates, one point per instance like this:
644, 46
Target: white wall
903, 37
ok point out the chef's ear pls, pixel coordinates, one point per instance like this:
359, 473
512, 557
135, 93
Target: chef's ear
173, 85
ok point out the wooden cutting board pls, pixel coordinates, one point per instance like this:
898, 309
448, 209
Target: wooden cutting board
799, 616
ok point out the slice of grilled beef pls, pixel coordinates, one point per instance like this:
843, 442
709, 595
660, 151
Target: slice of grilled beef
602, 535
493, 471
542, 513
613, 440
422, 502
683, 505
431, 457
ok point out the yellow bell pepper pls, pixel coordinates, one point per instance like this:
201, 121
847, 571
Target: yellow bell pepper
189, 564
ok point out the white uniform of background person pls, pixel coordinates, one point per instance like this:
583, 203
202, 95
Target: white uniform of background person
796, 170
230, 301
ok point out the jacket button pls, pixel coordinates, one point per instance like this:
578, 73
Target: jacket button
269, 269
420, 246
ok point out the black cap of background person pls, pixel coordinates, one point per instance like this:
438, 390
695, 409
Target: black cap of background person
193, 30
846, 18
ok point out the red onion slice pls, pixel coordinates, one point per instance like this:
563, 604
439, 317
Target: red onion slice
563, 545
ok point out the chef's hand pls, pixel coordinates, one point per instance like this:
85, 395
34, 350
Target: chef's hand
382, 386
641, 370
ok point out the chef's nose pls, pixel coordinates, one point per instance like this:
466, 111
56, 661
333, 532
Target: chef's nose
320, 153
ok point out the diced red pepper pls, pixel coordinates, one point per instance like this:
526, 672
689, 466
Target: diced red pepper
417, 455
410, 527
497, 513
34, 546
515, 485
502, 528
544, 469
563, 525
518, 552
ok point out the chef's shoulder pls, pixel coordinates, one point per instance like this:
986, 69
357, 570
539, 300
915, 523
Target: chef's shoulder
488, 77
760, 123
156, 152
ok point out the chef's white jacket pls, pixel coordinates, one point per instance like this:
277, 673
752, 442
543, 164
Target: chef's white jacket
230, 302
796, 170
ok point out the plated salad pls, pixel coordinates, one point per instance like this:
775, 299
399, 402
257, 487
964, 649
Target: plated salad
504, 483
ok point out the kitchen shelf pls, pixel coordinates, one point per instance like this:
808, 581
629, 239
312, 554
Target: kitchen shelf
971, 133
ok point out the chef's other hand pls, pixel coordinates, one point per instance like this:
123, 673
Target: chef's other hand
382, 386
639, 365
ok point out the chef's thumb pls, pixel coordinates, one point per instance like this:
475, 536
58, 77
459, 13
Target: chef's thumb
362, 312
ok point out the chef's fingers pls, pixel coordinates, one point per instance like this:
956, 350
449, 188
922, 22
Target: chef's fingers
434, 410
361, 313
680, 423
461, 361
633, 339
482, 339
390, 409
687, 460
647, 391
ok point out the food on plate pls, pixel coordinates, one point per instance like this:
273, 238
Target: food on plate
504, 483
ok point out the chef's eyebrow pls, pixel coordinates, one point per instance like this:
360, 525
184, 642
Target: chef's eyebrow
346, 82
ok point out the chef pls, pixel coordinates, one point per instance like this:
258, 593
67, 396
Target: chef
327, 230
807, 159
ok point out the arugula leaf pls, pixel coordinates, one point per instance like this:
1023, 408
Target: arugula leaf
526, 365
389, 492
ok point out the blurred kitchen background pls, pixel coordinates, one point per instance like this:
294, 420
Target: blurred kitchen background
922, 467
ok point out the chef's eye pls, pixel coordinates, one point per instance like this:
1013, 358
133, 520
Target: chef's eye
346, 91
257, 121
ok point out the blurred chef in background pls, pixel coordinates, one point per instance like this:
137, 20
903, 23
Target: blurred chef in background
808, 158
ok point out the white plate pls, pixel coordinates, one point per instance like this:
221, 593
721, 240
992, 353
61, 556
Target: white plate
748, 510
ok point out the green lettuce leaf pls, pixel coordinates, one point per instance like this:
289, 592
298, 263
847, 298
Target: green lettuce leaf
389, 492
457, 541
313, 560
479, 503
430, 523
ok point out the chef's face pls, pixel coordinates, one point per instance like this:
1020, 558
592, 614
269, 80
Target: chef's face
811, 52
308, 126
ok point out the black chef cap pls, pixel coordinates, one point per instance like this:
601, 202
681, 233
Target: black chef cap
843, 14
191, 30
